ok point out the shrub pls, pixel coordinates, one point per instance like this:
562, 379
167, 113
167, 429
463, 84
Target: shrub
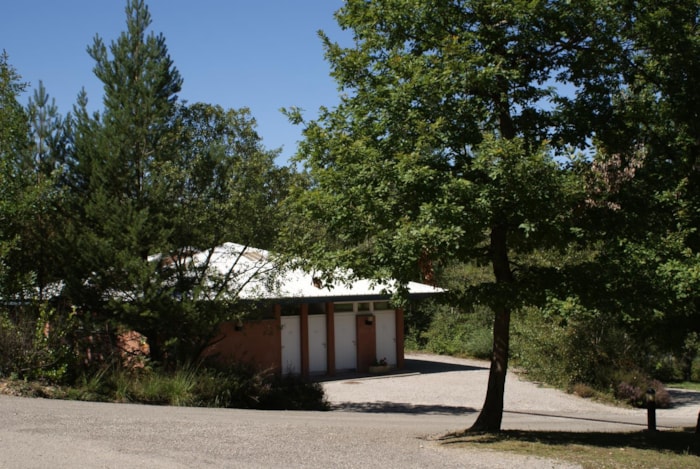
293, 393
239, 386
566, 343
666, 368
242, 386
583, 390
455, 332
35, 343
634, 392
695, 370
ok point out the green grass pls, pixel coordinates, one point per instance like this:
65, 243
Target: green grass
689, 385
594, 450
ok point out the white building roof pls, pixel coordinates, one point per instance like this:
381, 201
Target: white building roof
257, 276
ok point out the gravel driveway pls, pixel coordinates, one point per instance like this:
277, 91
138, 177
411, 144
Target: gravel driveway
446, 385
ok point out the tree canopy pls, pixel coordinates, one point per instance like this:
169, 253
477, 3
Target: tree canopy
456, 133
112, 204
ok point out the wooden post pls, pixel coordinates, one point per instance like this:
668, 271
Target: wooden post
398, 317
651, 410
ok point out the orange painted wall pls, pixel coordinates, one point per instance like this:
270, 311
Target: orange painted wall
257, 342
366, 339
260, 342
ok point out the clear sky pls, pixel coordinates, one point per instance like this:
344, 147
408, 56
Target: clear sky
260, 54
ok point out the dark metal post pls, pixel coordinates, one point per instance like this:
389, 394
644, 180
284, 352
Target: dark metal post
651, 410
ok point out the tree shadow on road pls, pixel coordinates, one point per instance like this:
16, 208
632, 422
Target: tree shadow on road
421, 366
412, 366
679, 442
402, 408
684, 397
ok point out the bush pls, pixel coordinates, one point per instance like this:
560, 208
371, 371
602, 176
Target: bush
454, 332
666, 368
293, 393
633, 390
695, 370
583, 390
239, 386
35, 343
242, 386
566, 343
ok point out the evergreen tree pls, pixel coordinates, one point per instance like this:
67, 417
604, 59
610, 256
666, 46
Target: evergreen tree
116, 170
13, 146
48, 134
153, 181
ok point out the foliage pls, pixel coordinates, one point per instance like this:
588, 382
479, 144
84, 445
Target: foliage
115, 173
635, 389
16, 201
36, 344
13, 132
189, 385
446, 145
450, 324
152, 182
454, 332
565, 344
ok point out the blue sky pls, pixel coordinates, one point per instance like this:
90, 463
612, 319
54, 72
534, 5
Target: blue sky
262, 54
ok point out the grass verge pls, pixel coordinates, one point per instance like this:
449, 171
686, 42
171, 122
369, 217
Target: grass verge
235, 387
689, 385
594, 450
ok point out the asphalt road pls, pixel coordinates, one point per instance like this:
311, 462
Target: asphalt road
384, 430
38, 433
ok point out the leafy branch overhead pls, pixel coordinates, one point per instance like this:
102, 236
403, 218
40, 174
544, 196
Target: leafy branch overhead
479, 131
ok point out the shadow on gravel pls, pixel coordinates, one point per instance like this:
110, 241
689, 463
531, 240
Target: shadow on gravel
578, 417
401, 408
683, 397
427, 366
412, 366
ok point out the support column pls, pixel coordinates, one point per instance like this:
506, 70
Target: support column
304, 338
330, 339
278, 324
399, 338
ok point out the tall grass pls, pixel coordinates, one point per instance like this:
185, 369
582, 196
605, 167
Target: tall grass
237, 387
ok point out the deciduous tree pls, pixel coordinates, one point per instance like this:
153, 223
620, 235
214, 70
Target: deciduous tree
446, 140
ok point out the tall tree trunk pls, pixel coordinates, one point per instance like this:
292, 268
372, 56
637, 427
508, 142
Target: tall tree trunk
491, 415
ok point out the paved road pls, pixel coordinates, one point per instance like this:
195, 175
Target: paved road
38, 433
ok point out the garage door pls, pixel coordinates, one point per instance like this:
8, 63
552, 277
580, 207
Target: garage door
318, 354
291, 344
386, 335
345, 345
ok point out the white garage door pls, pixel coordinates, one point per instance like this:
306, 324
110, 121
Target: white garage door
291, 344
318, 355
386, 335
345, 345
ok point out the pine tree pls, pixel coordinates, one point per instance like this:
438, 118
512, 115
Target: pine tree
116, 173
13, 145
